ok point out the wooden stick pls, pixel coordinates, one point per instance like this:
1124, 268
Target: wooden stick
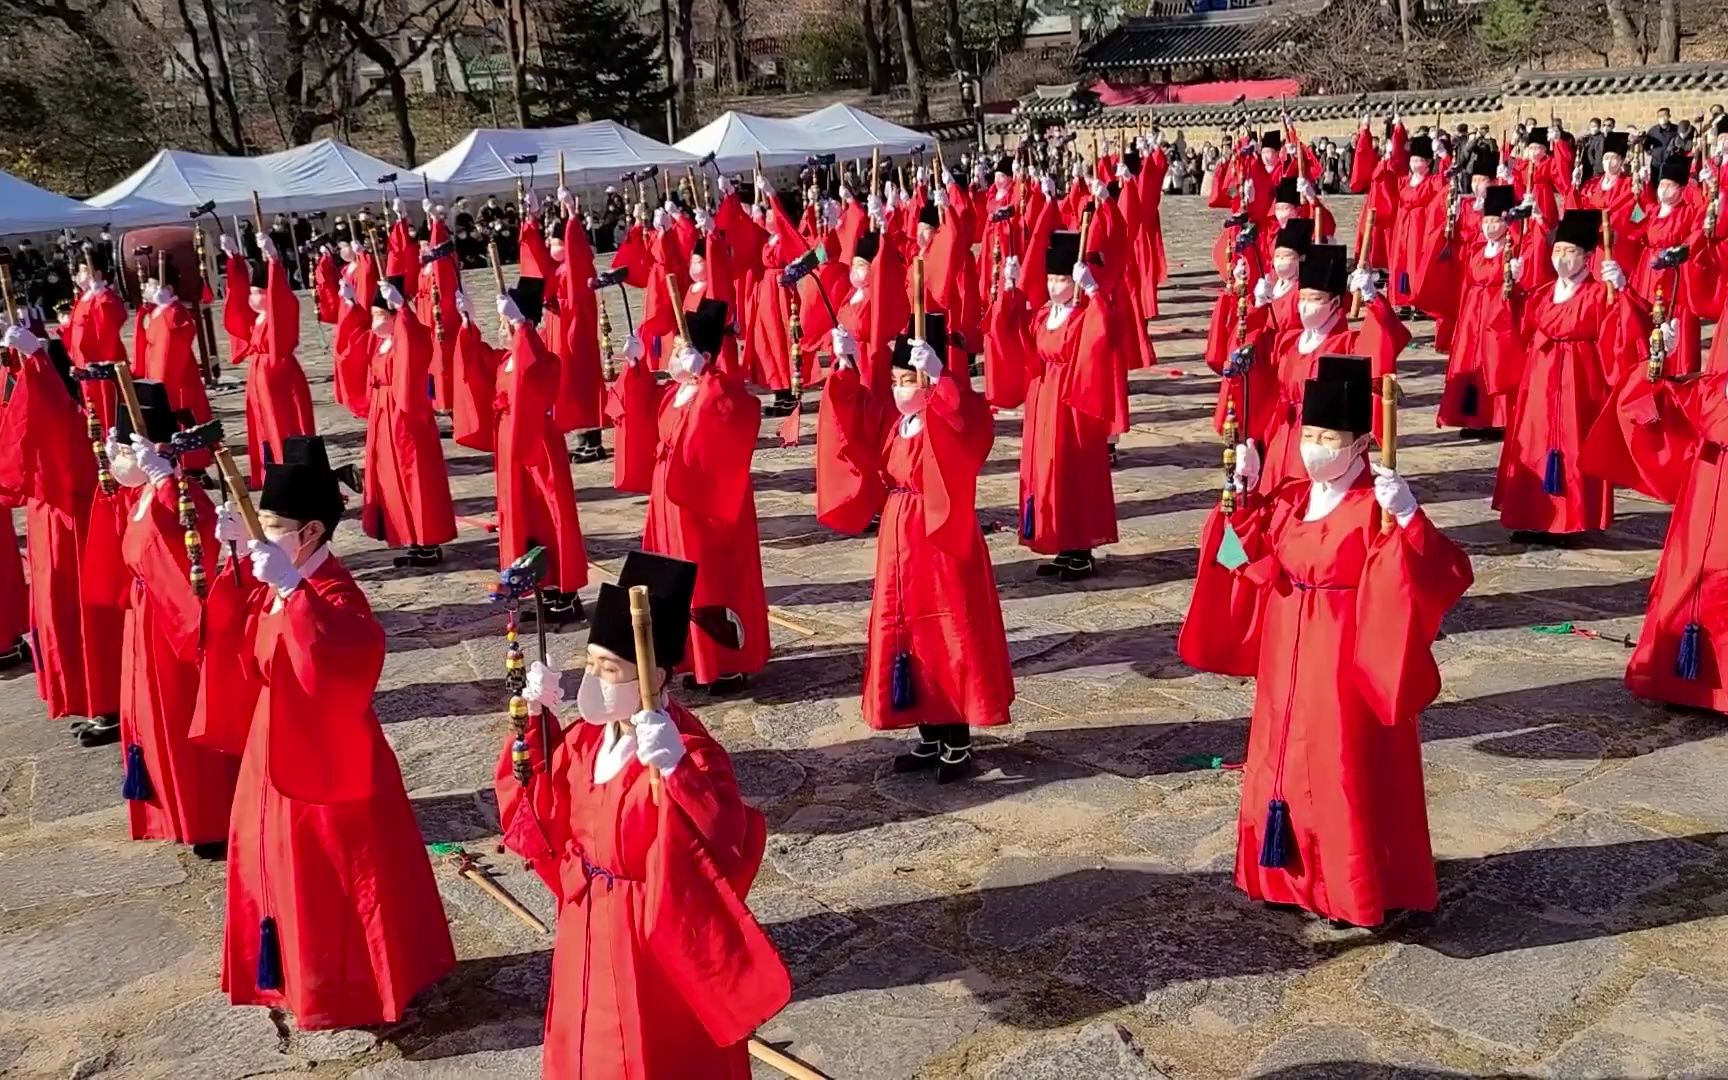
123, 376
790, 1066
238, 494
1388, 436
467, 869
642, 622
1364, 247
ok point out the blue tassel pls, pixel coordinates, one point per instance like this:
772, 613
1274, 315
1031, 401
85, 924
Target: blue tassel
269, 956
1275, 841
1472, 399
1026, 520
1551, 475
900, 692
136, 787
1691, 639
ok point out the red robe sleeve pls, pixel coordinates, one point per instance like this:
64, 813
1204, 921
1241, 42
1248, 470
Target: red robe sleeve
323, 735
1412, 577
850, 427
710, 472
474, 389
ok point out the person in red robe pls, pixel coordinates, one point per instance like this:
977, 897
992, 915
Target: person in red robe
174, 789
71, 530
262, 317
405, 483
1068, 506
536, 495
333, 914
702, 504
1577, 343
93, 334
1335, 615
936, 655
1487, 353
633, 818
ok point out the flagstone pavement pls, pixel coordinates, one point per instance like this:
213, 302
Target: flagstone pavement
1070, 913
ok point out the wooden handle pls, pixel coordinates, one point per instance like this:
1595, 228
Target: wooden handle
497, 267
129, 391
237, 492
1388, 435
678, 307
257, 215
642, 623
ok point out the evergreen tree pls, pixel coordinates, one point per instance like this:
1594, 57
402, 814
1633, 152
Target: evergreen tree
596, 63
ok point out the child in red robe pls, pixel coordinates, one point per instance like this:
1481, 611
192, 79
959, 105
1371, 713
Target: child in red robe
633, 819
333, 913
936, 656
1335, 617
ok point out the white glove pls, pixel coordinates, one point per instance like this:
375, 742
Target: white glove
661, 219
21, 339
543, 690
268, 247
1393, 494
1517, 266
1240, 271
1262, 292
704, 223
843, 345
463, 308
658, 742
1011, 272
1247, 466
1612, 274
225, 244
925, 360
633, 350
391, 294
508, 311
272, 566
1362, 284
229, 528
347, 291
154, 465
1083, 278
1670, 331
426, 207
164, 297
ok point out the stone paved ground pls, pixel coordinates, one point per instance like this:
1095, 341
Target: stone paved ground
1070, 913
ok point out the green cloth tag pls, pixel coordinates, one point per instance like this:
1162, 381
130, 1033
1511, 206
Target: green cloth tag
1230, 553
1553, 628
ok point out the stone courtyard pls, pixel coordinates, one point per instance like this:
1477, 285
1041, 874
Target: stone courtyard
1069, 913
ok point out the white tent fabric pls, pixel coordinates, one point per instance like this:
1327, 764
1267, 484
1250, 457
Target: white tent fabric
736, 138
26, 208
846, 131
483, 163
325, 175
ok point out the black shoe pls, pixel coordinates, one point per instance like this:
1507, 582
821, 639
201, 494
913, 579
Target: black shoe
727, 685
214, 850
1079, 568
102, 731
420, 557
955, 763
923, 758
1055, 567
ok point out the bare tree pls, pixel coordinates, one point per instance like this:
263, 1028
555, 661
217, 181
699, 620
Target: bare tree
915, 73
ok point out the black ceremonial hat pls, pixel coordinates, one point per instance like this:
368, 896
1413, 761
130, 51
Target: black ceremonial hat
671, 585
303, 486
1342, 398
707, 326
1288, 191
1323, 268
868, 245
1061, 251
935, 335
1498, 199
1297, 234
1582, 228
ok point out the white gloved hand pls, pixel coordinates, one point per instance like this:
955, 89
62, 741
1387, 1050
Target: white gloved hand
21, 339
1247, 466
164, 297
463, 307
633, 350
1362, 284
1083, 278
843, 345
508, 311
661, 219
1393, 494
1239, 272
1613, 275
345, 289
272, 566
704, 223
1011, 272
154, 464
229, 528
543, 689
268, 247
659, 745
225, 244
925, 360
1262, 292
391, 294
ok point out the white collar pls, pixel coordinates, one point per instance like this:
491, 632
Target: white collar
1325, 496
1313, 339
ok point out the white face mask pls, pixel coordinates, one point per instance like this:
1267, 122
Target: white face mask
1325, 463
687, 364
910, 400
601, 702
859, 277
1314, 315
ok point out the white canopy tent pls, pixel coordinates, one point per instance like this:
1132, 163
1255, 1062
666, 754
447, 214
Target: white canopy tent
325, 175
848, 132
26, 208
736, 138
484, 162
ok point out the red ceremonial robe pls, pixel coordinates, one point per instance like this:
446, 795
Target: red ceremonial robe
702, 509
191, 787
407, 496
1072, 405
98, 318
659, 971
278, 401
935, 598
1575, 351
1336, 621
536, 496
323, 840
1487, 353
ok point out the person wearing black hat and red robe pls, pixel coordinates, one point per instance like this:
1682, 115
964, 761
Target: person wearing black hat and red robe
1335, 617
1666, 239
1067, 504
1577, 342
174, 788
405, 484
1322, 327
536, 495
936, 656
1618, 195
1487, 355
633, 818
262, 317
166, 352
97, 322
702, 506
333, 914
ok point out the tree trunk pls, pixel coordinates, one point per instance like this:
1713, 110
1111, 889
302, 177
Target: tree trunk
915, 74
1668, 33
873, 50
